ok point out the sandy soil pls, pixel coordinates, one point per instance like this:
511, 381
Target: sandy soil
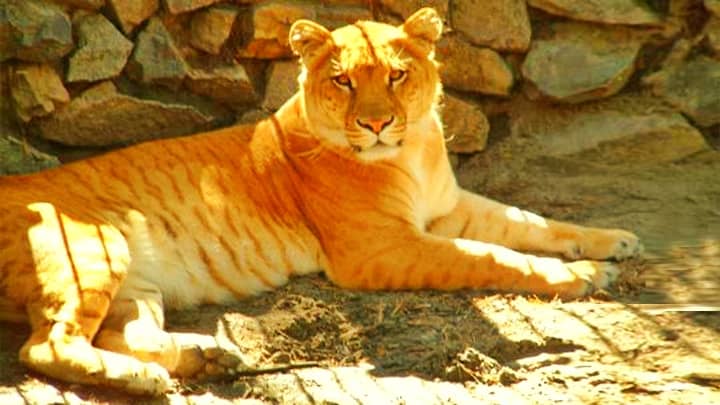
654, 338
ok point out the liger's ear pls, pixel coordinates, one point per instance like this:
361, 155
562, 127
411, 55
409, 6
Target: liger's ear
308, 39
424, 24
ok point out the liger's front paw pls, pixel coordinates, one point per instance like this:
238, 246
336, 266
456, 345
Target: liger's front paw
571, 280
592, 276
625, 245
605, 244
597, 274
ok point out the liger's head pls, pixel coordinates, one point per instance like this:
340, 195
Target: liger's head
365, 83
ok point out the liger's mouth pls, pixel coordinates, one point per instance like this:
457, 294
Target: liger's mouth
378, 144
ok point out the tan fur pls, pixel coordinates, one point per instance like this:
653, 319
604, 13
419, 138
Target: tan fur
350, 177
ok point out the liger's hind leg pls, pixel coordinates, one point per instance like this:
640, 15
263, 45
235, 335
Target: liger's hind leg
63, 349
134, 326
78, 269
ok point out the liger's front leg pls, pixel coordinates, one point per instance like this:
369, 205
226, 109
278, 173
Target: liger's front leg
479, 218
400, 258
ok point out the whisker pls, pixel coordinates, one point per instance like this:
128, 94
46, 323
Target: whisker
336, 66
311, 154
303, 134
357, 137
399, 60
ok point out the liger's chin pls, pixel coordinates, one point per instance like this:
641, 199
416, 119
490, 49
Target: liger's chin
378, 151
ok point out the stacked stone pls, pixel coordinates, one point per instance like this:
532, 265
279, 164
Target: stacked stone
578, 73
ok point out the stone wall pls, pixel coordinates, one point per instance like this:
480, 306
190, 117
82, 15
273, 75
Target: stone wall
579, 73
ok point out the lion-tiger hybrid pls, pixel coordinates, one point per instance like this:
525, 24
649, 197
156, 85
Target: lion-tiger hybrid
350, 177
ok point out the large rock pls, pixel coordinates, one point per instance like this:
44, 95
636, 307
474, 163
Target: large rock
636, 128
282, 83
7, 104
466, 127
712, 30
228, 84
34, 31
17, 157
131, 13
693, 87
183, 6
469, 68
156, 58
102, 50
580, 62
36, 90
334, 17
630, 12
252, 116
405, 8
211, 28
363, 3
267, 26
713, 6
84, 4
503, 25
101, 117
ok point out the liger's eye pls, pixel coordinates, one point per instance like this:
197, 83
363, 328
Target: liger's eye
343, 80
396, 75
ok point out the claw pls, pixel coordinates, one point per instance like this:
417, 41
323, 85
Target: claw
595, 275
209, 363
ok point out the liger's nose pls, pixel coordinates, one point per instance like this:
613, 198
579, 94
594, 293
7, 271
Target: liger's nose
376, 125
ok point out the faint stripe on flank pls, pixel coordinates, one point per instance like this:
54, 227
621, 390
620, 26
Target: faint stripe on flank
215, 273
281, 248
229, 221
236, 262
257, 248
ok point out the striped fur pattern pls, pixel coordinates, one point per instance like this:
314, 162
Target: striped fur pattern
349, 177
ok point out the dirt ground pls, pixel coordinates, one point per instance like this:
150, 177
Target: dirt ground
653, 338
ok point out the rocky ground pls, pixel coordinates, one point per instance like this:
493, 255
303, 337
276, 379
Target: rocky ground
654, 338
